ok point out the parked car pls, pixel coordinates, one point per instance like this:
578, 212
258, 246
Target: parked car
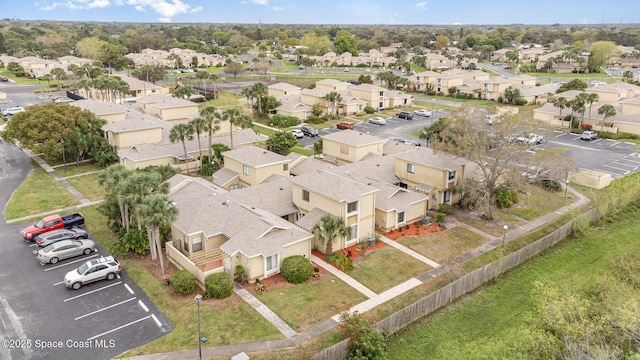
50, 223
378, 120
12, 110
58, 235
422, 112
532, 139
344, 125
405, 115
309, 131
92, 270
65, 249
4, 78
63, 100
588, 135
297, 133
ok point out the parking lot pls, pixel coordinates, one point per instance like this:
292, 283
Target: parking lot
395, 128
605, 155
42, 319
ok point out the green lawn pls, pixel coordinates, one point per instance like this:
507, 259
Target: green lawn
494, 320
539, 202
38, 193
445, 245
71, 169
385, 268
88, 185
307, 304
223, 322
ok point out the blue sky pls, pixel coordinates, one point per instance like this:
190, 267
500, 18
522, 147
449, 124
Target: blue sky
400, 12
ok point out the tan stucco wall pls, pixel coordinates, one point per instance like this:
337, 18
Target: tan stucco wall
256, 175
422, 174
353, 154
178, 113
315, 200
630, 109
111, 118
131, 138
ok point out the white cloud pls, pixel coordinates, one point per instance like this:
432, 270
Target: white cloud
421, 5
278, 8
260, 2
166, 9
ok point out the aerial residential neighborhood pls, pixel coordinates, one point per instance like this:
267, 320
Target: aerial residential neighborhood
193, 187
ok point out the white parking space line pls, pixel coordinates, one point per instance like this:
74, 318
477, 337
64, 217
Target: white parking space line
629, 160
617, 162
128, 288
32, 245
617, 168
615, 143
156, 320
71, 262
103, 309
58, 283
118, 328
144, 307
92, 291
576, 146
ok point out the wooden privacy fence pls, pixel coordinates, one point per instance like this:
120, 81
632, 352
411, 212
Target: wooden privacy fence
461, 286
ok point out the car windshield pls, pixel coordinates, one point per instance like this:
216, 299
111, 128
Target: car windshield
48, 248
82, 269
39, 224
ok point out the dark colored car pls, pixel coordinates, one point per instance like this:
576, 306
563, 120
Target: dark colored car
4, 78
405, 115
309, 131
344, 125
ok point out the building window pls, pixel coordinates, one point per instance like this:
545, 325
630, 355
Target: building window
285, 167
305, 195
352, 206
400, 217
197, 243
411, 169
272, 262
381, 93
245, 170
354, 232
452, 175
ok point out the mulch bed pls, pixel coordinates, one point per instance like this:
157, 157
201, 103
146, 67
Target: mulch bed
415, 229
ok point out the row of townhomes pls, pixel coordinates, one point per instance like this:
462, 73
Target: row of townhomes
624, 97
169, 59
260, 207
36, 67
298, 102
481, 85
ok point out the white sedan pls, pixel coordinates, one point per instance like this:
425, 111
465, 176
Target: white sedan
297, 133
378, 121
425, 113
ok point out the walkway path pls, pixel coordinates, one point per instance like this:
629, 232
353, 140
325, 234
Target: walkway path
293, 338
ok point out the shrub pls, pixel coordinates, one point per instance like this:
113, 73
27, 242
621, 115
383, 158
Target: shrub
314, 120
446, 209
183, 282
505, 198
134, 240
365, 342
296, 269
440, 219
586, 126
549, 184
218, 285
262, 288
342, 261
369, 110
284, 121
521, 101
241, 273
617, 136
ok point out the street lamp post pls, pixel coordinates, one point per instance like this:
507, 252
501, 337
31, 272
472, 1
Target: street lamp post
198, 299
64, 160
504, 234
566, 186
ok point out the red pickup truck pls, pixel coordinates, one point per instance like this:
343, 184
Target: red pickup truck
52, 222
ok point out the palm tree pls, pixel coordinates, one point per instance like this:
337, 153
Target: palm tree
333, 97
561, 103
59, 74
608, 111
182, 132
234, 117
328, 229
111, 179
627, 75
199, 125
250, 95
157, 210
590, 98
212, 118
581, 106
259, 90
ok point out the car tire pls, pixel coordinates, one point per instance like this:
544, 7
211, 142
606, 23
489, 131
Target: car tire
53, 260
76, 285
87, 251
111, 276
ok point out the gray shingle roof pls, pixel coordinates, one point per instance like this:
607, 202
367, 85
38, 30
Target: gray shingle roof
333, 186
255, 156
224, 176
426, 156
352, 137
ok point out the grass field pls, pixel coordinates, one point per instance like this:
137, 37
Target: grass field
492, 323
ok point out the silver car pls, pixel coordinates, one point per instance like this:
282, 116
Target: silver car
54, 236
93, 270
377, 121
65, 249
